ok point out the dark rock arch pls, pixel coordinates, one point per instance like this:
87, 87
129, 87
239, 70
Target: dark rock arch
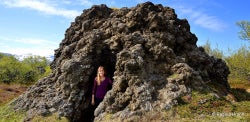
107, 59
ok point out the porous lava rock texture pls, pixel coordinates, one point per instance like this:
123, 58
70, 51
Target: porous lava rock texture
148, 52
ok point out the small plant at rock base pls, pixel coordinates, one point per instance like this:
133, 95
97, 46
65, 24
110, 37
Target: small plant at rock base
173, 76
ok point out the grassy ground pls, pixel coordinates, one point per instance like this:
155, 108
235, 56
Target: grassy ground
202, 107
9, 115
238, 83
10, 91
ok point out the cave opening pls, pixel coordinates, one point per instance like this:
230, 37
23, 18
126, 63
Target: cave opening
107, 59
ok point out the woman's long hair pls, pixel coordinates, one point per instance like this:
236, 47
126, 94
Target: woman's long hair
98, 76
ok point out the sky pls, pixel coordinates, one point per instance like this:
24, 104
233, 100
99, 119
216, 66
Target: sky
36, 27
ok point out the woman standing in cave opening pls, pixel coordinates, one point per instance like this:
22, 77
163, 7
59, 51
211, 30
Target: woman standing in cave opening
101, 86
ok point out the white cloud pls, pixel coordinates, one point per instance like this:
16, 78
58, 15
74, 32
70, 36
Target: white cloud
202, 19
66, 1
28, 46
29, 41
3, 45
35, 41
197, 15
42, 6
141, 1
33, 51
86, 3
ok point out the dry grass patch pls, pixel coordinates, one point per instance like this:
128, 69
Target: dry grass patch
10, 91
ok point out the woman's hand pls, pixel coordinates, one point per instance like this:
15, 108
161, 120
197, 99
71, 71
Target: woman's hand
93, 102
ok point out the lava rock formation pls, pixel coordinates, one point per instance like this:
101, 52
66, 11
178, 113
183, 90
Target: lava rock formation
149, 53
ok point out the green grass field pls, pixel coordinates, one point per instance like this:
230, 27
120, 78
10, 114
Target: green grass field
211, 109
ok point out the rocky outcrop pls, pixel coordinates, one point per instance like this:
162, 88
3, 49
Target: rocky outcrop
149, 53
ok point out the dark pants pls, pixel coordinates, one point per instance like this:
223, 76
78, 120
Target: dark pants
97, 102
93, 107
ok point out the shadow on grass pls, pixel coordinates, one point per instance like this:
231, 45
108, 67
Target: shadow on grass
241, 94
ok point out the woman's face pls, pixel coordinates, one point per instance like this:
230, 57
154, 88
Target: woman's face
101, 71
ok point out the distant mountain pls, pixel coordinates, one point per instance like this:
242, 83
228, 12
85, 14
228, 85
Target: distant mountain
6, 53
51, 57
21, 57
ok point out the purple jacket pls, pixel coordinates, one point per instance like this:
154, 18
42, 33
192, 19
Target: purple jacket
100, 90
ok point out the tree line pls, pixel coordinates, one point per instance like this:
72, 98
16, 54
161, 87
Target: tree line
238, 61
26, 71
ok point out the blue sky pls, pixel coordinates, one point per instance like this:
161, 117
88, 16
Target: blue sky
38, 26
